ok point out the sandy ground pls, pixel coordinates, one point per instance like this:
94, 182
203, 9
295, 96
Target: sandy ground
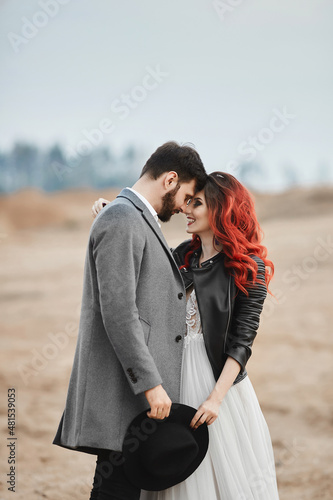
42, 246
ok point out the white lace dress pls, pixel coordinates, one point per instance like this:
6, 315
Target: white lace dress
239, 464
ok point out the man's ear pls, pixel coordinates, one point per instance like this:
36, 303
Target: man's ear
170, 180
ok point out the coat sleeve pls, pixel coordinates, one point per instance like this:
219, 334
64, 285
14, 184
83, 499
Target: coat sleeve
118, 242
246, 317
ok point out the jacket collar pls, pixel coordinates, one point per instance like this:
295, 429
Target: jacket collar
207, 271
146, 202
207, 264
182, 249
132, 197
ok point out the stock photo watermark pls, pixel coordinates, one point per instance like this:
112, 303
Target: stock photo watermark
30, 28
248, 149
121, 108
284, 458
12, 439
139, 434
41, 357
135, 436
115, 459
300, 272
224, 8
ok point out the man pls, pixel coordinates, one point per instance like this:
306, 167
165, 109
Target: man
129, 348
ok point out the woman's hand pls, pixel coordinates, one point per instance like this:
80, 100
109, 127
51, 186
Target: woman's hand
207, 412
98, 205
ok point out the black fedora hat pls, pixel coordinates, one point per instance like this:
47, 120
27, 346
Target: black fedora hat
161, 453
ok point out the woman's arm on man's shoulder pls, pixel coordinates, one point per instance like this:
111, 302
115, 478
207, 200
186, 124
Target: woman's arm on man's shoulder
98, 205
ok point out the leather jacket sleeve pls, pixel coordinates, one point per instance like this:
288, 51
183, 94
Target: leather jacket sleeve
245, 318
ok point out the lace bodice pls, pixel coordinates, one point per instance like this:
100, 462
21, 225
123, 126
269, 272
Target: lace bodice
193, 321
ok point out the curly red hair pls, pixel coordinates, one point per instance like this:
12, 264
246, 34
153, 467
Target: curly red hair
235, 226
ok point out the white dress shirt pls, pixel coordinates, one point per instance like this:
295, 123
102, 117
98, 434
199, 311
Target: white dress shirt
148, 205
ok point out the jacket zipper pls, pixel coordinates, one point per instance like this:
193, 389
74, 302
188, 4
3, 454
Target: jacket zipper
229, 317
188, 286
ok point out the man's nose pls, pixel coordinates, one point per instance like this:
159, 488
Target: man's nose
186, 209
183, 208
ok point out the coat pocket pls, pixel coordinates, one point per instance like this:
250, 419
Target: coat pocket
146, 329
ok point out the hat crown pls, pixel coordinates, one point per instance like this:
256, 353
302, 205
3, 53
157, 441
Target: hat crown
169, 451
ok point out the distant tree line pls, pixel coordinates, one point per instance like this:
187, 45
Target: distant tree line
27, 165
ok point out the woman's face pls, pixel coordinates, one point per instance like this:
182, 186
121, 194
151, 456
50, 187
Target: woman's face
197, 215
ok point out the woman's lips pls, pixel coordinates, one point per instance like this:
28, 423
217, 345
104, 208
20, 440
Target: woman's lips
190, 221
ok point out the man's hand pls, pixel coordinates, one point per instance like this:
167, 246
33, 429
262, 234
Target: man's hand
159, 401
98, 205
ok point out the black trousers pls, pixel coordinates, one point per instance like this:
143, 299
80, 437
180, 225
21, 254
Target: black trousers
110, 481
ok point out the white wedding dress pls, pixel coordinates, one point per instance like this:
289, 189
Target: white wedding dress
239, 464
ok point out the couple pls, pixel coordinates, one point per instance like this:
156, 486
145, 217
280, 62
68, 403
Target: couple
159, 327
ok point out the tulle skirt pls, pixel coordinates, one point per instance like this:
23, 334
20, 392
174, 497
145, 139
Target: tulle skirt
239, 464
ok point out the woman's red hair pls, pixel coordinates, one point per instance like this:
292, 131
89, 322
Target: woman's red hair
234, 223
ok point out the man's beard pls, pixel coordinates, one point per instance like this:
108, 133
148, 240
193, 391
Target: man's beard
168, 205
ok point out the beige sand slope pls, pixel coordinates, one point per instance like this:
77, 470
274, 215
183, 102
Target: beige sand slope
42, 246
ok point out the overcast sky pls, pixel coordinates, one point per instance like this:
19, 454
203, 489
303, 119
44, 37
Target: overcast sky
240, 79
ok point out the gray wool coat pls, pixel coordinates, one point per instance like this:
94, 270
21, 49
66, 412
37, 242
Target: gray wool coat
131, 328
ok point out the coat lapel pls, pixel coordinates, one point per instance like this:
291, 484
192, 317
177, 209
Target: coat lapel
147, 215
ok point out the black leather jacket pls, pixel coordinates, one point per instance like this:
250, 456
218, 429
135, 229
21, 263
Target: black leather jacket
230, 320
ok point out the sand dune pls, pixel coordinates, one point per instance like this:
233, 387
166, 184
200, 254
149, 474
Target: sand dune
43, 242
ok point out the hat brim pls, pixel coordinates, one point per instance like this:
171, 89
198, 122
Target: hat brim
134, 469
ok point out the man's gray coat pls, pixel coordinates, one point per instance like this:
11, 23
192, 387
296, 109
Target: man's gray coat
131, 329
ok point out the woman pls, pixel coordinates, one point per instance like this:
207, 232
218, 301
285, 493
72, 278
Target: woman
226, 275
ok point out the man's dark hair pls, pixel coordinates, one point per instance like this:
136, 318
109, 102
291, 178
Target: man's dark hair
181, 159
